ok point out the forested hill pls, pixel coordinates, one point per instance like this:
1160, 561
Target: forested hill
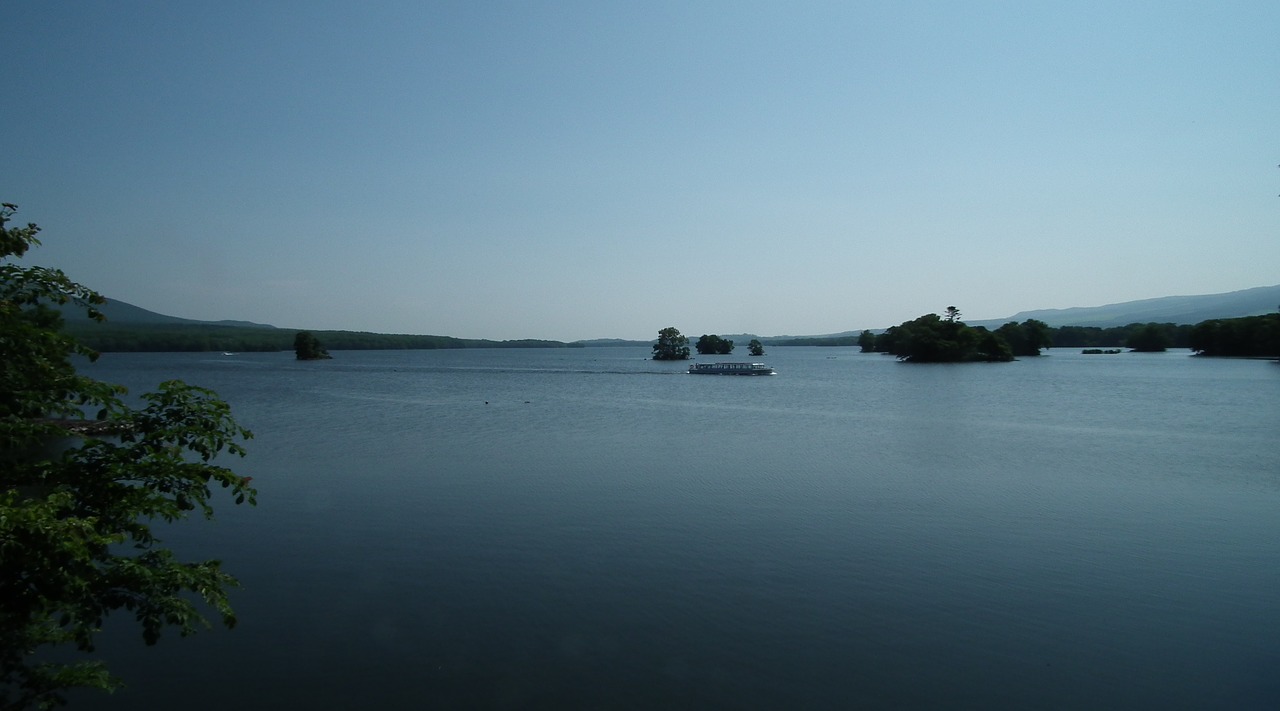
131, 328
122, 313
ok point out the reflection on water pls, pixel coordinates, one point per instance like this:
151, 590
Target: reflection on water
588, 528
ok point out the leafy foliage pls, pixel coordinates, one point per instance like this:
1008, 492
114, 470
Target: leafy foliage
671, 345
1151, 338
1252, 336
755, 347
713, 344
78, 496
867, 342
307, 347
1116, 336
1026, 338
1030, 336
931, 339
823, 341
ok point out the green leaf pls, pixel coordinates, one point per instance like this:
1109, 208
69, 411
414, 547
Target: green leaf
77, 540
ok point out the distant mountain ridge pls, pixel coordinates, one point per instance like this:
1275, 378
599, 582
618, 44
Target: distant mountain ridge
1166, 309
122, 313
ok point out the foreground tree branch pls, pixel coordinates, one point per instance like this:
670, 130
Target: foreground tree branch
83, 476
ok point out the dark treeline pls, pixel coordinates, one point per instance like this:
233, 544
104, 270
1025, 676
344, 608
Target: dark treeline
819, 341
1137, 336
1063, 337
1175, 335
108, 338
934, 339
1250, 336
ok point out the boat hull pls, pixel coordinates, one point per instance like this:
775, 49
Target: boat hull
730, 369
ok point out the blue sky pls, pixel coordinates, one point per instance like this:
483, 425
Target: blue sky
574, 170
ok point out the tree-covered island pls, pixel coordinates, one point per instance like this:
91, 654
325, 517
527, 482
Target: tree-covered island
671, 345
307, 347
714, 345
946, 339
1248, 337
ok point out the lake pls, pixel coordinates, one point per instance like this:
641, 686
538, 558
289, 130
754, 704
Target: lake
590, 529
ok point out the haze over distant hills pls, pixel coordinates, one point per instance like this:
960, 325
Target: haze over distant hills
1167, 309
120, 313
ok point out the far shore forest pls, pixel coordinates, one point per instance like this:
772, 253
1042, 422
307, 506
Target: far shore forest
1252, 336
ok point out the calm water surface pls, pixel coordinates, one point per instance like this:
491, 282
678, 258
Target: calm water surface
492, 529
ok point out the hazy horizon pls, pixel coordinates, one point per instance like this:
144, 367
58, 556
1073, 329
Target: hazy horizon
1020, 314
577, 170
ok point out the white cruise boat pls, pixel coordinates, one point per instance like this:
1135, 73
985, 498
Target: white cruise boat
731, 369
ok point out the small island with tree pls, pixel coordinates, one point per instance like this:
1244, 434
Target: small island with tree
307, 347
946, 339
671, 345
714, 345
